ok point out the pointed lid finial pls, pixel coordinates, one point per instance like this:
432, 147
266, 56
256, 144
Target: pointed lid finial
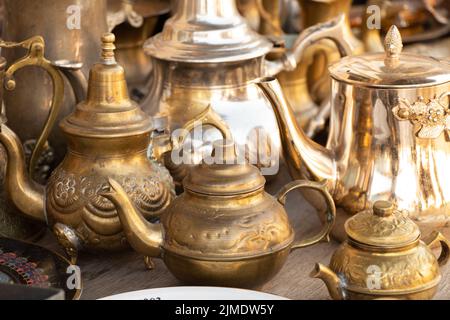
108, 47
393, 43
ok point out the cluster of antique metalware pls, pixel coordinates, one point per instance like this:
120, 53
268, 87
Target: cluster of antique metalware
88, 134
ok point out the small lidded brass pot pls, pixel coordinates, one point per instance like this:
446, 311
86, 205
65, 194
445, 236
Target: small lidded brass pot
224, 230
384, 258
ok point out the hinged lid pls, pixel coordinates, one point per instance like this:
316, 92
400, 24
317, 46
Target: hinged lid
224, 177
108, 111
382, 226
392, 69
207, 31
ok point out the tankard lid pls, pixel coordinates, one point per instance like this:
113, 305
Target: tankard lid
382, 226
223, 174
210, 31
391, 69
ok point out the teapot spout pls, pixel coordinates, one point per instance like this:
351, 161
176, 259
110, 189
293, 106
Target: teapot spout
331, 280
145, 237
298, 148
25, 194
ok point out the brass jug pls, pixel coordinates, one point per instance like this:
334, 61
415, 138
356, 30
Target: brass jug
12, 224
208, 55
224, 230
384, 258
307, 87
71, 43
388, 135
146, 20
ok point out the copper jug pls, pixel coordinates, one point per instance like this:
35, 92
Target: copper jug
71, 43
388, 135
208, 55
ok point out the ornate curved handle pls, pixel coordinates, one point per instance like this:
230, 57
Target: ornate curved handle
333, 30
433, 239
207, 117
35, 57
330, 214
126, 13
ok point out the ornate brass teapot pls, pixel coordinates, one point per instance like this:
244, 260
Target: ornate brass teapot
67, 27
388, 135
208, 55
224, 230
108, 136
384, 258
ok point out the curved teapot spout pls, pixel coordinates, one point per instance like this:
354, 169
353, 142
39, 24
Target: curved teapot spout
298, 148
26, 195
331, 280
143, 236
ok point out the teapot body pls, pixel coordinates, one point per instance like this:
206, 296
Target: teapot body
392, 144
360, 268
239, 242
72, 193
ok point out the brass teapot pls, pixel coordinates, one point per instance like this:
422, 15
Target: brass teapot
108, 136
224, 230
208, 55
384, 258
388, 136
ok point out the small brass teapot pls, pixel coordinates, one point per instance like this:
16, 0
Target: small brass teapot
384, 258
224, 230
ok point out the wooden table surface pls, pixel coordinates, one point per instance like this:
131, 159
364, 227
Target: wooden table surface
105, 275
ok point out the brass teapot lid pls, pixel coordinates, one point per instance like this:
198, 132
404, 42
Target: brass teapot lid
392, 69
382, 226
108, 110
224, 176
207, 31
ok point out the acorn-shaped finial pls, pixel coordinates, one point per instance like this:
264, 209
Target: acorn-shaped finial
108, 48
393, 43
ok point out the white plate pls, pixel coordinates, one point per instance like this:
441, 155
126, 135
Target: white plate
194, 293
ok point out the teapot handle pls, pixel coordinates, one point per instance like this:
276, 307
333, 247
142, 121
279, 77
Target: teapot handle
126, 13
433, 239
35, 57
332, 30
207, 117
330, 215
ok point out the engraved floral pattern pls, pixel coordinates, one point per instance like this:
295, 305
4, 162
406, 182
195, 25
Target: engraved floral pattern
432, 116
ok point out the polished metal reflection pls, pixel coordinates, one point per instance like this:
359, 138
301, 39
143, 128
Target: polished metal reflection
199, 62
388, 135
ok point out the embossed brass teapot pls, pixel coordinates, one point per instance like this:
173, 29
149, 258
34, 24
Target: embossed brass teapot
388, 136
224, 229
384, 258
108, 136
208, 55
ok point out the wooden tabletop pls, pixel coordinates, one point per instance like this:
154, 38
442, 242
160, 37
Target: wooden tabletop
108, 274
